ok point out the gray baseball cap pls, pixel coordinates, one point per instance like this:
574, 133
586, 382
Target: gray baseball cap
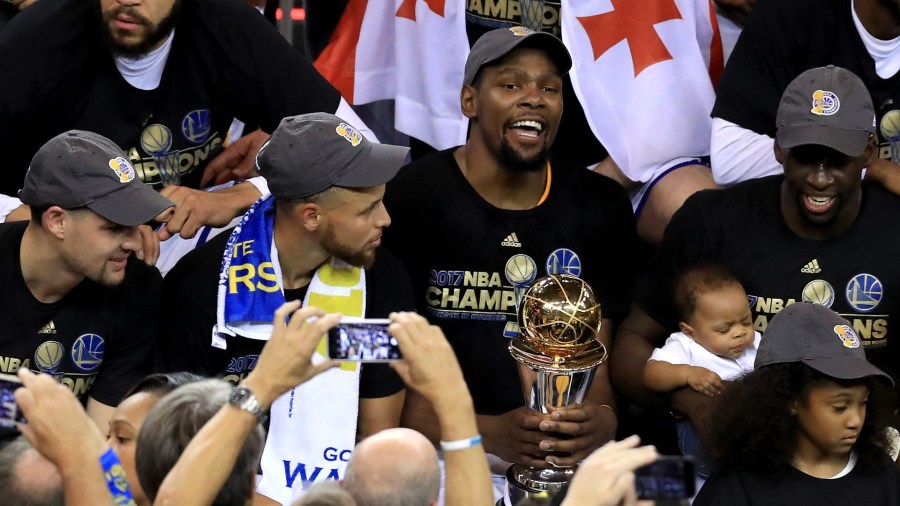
310, 153
818, 337
496, 44
84, 169
828, 106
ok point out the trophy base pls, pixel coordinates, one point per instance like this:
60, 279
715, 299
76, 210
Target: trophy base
538, 485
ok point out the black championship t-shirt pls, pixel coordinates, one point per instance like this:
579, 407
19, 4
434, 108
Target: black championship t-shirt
782, 39
741, 227
469, 260
226, 62
97, 341
794, 488
190, 292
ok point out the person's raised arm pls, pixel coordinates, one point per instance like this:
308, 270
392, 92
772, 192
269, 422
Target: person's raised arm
430, 367
284, 363
62, 432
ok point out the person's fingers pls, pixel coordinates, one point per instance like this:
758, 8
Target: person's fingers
402, 370
280, 318
568, 428
573, 414
219, 165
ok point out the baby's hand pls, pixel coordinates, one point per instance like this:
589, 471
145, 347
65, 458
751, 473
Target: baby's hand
705, 381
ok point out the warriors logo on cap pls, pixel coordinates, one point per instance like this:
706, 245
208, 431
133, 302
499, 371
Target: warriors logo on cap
520, 31
122, 168
348, 132
848, 337
825, 103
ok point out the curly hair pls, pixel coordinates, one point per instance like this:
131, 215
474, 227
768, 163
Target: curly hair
696, 281
753, 428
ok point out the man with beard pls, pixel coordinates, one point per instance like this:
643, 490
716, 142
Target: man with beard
315, 240
163, 79
817, 233
475, 225
783, 38
74, 303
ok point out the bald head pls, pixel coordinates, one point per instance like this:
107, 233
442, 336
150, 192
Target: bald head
395, 466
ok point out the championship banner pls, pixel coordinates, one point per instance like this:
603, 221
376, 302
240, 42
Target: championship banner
645, 72
412, 51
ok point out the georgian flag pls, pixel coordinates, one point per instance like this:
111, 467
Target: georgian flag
645, 72
411, 51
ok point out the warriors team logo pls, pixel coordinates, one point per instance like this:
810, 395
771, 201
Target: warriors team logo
49, 355
564, 261
122, 168
825, 103
864, 292
87, 352
348, 132
520, 31
819, 292
848, 338
156, 140
520, 272
196, 126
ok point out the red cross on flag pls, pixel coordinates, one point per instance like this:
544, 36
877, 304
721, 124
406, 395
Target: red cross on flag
644, 71
412, 51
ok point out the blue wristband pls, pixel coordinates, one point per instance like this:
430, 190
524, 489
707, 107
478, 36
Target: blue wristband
115, 479
460, 444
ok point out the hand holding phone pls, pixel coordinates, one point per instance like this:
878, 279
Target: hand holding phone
362, 340
10, 414
670, 477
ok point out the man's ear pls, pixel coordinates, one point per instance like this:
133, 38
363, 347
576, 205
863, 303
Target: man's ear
310, 216
467, 101
54, 222
779, 154
686, 329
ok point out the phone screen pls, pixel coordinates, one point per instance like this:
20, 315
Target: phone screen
670, 477
10, 414
363, 341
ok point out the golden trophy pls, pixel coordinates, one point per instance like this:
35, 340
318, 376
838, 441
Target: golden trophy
558, 354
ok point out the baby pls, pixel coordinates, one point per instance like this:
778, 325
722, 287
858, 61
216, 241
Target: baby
717, 342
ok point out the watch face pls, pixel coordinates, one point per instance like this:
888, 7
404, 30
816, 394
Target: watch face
240, 395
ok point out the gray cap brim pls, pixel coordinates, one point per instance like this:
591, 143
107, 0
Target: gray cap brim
378, 167
131, 206
847, 368
849, 142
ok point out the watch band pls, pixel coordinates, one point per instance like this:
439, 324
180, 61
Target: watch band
243, 398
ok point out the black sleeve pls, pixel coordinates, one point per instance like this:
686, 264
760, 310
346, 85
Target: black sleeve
390, 291
190, 312
765, 59
265, 79
689, 239
723, 489
129, 358
618, 245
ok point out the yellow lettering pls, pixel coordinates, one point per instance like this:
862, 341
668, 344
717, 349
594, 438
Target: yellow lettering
863, 328
777, 305
879, 329
351, 303
234, 278
495, 280
490, 299
243, 248
4, 364
14, 364
433, 296
475, 6
234, 379
449, 300
267, 273
470, 278
26, 364
763, 305
483, 279
469, 300
509, 300
495, 8
551, 15
761, 323
513, 9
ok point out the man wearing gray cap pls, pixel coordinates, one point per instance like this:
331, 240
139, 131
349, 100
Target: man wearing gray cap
315, 240
74, 303
817, 233
477, 224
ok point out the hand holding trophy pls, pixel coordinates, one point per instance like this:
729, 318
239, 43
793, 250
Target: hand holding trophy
558, 354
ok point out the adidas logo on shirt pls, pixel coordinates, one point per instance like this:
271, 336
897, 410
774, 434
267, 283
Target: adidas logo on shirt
512, 241
49, 328
811, 268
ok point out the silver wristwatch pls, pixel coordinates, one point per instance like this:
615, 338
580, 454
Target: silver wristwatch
242, 398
